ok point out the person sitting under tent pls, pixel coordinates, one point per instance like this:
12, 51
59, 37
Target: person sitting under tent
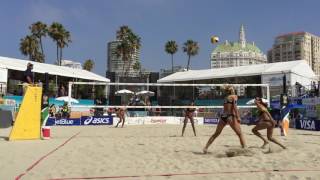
65, 110
52, 110
1, 99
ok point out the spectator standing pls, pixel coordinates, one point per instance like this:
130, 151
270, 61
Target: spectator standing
61, 91
28, 77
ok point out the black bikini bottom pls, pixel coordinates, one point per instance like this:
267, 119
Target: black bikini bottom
227, 117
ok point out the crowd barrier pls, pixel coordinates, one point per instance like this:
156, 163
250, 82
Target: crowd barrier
82, 121
110, 120
305, 124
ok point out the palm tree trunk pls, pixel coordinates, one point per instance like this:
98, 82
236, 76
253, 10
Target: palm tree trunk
58, 55
128, 68
123, 67
172, 62
40, 40
188, 63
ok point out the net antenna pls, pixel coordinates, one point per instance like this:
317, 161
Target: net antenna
265, 90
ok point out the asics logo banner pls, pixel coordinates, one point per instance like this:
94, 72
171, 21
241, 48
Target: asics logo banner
96, 120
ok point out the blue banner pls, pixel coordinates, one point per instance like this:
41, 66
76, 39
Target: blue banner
96, 120
63, 122
308, 124
210, 120
51, 121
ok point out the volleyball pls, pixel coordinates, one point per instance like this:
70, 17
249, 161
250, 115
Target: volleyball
214, 39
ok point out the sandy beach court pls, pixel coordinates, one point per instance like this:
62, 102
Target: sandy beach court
158, 152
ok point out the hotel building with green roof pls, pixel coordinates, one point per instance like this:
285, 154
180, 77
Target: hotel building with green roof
241, 53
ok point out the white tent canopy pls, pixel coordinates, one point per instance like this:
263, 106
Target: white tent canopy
300, 68
124, 92
21, 65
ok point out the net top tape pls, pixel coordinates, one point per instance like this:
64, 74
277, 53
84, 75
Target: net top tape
166, 84
147, 107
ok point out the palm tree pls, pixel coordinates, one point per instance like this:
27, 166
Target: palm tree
88, 65
137, 67
61, 36
191, 48
171, 47
29, 47
39, 30
63, 42
38, 57
54, 32
129, 43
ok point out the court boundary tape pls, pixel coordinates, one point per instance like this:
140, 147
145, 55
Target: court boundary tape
189, 174
45, 156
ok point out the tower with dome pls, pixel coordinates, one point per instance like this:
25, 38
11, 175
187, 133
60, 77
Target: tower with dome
241, 53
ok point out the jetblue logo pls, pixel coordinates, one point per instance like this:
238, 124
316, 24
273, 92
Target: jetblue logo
64, 122
67, 122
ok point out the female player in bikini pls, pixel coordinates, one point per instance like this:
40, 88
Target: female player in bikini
230, 116
121, 115
265, 122
189, 115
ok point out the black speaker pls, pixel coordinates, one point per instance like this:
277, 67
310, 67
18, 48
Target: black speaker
154, 77
111, 76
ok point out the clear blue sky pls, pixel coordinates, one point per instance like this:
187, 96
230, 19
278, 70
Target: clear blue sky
93, 23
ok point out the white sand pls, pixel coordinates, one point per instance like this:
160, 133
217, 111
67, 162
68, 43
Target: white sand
100, 151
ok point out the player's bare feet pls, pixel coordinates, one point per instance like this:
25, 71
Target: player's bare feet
205, 150
264, 145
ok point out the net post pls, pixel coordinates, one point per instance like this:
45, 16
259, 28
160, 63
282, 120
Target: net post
268, 95
106, 91
69, 93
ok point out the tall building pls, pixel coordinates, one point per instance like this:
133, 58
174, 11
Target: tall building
297, 46
115, 63
167, 72
71, 64
241, 53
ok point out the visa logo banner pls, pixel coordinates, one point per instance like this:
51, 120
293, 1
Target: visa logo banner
96, 120
308, 124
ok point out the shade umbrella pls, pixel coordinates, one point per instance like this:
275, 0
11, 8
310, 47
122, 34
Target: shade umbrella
66, 99
252, 101
124, 92
145, 93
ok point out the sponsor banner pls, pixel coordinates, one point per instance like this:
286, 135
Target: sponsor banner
308, 124
133, 120
63, 122
173, 120
157, 120
197, 120
210, 120
96, 120
249, 120
311, 106
51, 121
67, 122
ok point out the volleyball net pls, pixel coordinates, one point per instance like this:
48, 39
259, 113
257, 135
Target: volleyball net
162, 99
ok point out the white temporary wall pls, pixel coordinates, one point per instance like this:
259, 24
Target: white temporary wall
3, 75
